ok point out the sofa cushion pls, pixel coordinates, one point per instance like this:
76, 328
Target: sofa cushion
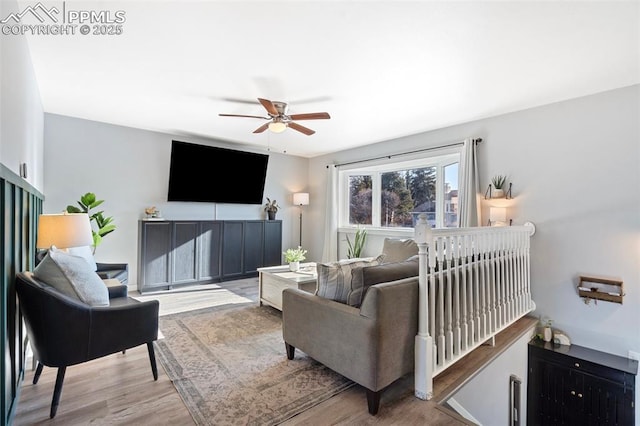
398, 250
86, 253
335, 279
72, 276
386, 272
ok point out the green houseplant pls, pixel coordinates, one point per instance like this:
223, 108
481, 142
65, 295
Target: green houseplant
271, 207
355, 248
498, 182
294, 256
103, 225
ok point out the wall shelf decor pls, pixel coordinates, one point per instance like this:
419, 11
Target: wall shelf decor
600, 288
491, 193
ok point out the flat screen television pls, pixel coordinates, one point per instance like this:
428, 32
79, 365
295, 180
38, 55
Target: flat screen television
211, 174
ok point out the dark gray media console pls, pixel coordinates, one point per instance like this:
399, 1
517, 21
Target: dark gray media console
174, 253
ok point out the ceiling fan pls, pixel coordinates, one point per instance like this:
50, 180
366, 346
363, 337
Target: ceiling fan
279, 120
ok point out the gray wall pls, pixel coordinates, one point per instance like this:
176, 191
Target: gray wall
129, 169
21, 114
575, 166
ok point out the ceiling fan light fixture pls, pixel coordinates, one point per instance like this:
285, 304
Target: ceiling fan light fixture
277, 126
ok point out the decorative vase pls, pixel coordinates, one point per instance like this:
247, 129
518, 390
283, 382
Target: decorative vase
294, 266
498, 193
271, 215
548, 335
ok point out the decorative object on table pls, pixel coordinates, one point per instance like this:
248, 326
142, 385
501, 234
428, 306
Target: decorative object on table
104, 224
561, 339
294, 256
271, 207
547, 333
355, 249
152, 213
301, 199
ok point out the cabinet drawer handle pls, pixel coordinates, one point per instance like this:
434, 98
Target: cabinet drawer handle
577, 364
573, 392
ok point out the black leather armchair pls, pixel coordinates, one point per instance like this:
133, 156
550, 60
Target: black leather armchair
64, 331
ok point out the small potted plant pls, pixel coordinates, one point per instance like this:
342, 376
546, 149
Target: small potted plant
498, 182
294, 256
271, 207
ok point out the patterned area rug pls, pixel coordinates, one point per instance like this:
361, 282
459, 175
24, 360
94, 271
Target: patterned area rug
230, 367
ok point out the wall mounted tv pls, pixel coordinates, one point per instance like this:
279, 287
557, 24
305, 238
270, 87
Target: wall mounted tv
205, 173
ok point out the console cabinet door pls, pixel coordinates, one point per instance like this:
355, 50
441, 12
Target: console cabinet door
154, 253
184, 257
272, 243
209, 251
232, 249
253, 246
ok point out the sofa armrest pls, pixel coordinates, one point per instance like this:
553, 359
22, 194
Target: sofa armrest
332, 333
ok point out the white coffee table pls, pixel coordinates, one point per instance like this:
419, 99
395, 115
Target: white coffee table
274, 279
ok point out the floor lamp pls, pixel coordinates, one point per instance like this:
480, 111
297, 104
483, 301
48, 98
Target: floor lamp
301, 199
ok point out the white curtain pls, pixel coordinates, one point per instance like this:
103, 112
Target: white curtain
330, 249
468, 196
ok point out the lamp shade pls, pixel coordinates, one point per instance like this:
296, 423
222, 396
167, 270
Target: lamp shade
277, 126
498, 215
301, 199
64, 230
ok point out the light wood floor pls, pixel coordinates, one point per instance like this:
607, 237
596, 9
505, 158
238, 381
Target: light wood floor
119, 389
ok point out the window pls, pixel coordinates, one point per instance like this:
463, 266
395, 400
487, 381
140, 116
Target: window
392, 195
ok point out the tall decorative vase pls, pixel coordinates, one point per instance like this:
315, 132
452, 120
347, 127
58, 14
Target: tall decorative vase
294, 266
548, 335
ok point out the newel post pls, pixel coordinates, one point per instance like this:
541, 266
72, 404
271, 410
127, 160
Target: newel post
424, 342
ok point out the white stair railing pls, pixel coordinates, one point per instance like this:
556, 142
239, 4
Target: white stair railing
474, 283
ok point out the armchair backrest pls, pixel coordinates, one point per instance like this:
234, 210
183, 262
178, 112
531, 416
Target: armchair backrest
58, 326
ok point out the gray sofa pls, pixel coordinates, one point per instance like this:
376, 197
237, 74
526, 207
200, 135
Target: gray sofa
373, 344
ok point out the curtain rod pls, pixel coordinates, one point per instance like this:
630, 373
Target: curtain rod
476, 141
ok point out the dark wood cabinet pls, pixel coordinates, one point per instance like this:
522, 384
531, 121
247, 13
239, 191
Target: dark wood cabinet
175, 253
574, 385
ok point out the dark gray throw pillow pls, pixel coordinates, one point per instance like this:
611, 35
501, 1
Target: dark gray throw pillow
386, 272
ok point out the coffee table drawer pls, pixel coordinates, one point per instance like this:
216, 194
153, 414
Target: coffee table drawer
272, 292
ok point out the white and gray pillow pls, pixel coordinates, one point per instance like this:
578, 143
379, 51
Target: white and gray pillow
72, 276
337, 281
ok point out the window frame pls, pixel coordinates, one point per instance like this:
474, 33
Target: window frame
437, 158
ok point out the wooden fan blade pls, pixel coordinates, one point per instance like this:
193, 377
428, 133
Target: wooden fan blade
266, 103
301, 129
311, 116
240, 115
261, 128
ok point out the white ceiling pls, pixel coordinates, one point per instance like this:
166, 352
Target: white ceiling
382, 70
